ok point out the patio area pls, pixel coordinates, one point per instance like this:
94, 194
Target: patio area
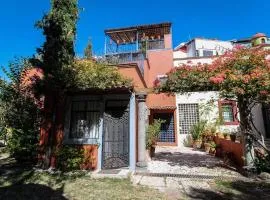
187, 161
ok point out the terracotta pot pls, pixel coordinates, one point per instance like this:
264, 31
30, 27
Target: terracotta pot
212, 150
218, 152
233, 138
197, 144
152, 151
207, 147
227, 137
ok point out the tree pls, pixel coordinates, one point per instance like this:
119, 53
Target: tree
88, 52
19, 112
242, 73
57, 53
57, 57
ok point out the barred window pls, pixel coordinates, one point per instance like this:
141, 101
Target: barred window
188, 116
167, 128
85, 117
207, 53
227, 112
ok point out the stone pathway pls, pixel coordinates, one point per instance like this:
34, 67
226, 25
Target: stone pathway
184, 160
175, 188
182, 172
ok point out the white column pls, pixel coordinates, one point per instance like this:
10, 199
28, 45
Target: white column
142, 118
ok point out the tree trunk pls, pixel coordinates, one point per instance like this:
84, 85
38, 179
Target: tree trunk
246, 131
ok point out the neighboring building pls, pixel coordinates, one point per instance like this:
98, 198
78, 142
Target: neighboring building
199, 50
257, 40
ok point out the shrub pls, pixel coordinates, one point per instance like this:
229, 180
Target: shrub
153, 132
262, 163
197, 130
69, 158
19, 113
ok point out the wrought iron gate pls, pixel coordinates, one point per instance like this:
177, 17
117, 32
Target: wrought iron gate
115, 149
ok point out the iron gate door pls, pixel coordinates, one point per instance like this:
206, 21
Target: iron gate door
115, 149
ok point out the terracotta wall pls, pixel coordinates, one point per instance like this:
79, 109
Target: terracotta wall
57, 131
160, 101
168, 41
91, 157
159, 62
236, 148
132, 72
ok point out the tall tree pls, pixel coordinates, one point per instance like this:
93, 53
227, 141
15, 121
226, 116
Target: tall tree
19, 111
59, 29
88, 51
57, 57
242, 73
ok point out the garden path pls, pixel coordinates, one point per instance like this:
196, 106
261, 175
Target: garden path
187, 161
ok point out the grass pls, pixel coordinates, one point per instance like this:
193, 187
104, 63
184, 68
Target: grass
42, 185
20, 181
242, 189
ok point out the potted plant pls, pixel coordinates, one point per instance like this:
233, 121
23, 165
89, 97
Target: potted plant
226, 136
233, 136
196, 133
152, 135
213, 146
207, 147
218, 150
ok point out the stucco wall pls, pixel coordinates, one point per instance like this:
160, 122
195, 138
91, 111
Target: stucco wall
201, 98
159, 63
192, 61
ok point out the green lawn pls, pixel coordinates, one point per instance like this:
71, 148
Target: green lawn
40, 185
241, 190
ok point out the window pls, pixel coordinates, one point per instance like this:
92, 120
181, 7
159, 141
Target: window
207, 53
197, 54
162, 78
263, 40
188, 116
228, 112
84, 123
167, 128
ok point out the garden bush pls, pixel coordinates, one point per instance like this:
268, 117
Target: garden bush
69, 158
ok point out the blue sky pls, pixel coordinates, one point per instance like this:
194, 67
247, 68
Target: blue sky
226, 20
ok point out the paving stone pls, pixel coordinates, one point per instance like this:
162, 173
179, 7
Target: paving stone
174, 183
173, 194
152, 181
196, 189
135, 179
